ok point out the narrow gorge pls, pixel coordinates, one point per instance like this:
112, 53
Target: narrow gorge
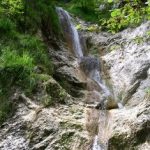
103, 98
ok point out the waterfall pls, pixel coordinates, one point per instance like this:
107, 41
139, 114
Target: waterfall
97, 78
90, 66
70, 32
96, 145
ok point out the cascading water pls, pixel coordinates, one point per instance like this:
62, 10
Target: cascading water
90, 65
96, 145
70, 32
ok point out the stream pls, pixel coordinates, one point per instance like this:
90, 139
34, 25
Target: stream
91, 67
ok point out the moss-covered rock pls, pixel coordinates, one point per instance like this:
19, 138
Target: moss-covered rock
55, 91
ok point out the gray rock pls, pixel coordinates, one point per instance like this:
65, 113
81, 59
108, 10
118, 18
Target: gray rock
68, 73
130, 128
130, 63
127, 61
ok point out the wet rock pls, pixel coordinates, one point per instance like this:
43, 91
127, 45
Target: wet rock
106, 103
56, 92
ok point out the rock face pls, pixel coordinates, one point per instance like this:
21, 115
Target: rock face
130, 127
68, 73
37, 128
127, 62
129, 66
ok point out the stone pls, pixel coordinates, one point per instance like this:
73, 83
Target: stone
131, 63
59, 127
68, 73
130, 127
127, 61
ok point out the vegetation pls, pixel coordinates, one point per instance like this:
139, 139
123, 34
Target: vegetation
112, 15
23, 54
132, 13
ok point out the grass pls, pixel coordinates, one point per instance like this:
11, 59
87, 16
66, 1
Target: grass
22, 58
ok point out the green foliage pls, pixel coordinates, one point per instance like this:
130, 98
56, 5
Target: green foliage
10, 58
15, 69
110, 1
131, 14
12, 7
37, 49
31, 15
20, 55
39, 13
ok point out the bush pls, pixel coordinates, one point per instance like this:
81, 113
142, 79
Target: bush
87, 15
14, 68
131, 14
22, 54
37, 49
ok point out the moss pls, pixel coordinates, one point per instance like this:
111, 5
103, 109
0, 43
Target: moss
57, 93
138, 40
6, 106
72, 87
42, 77
71, 125
66, 139
47, 100
114, 47
118, 142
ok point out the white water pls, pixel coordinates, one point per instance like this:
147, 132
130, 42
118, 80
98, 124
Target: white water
96, 145
95, 75
120, 105
101, 139
97, 78
64, 16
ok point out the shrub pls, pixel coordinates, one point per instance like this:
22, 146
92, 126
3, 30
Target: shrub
14, 68
37, 49
131, 14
